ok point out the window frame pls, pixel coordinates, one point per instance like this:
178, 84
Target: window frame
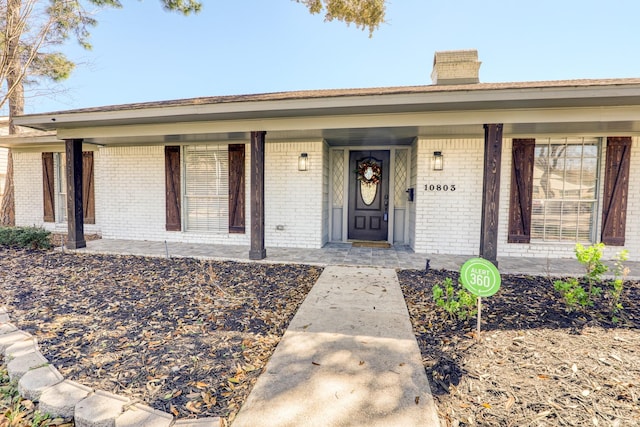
220, 200
537, 238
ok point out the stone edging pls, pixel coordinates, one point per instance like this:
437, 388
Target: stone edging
40, 381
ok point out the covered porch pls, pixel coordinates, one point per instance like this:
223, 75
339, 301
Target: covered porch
398, 257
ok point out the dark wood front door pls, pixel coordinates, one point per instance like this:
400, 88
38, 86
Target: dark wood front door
369, 195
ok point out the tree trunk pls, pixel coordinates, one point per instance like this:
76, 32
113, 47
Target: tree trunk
7, 210
16, 107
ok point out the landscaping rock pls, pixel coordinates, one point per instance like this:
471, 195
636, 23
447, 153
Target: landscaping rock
4, 314
34, 382
20, 348
140, 415
11, 338
202, 422
99, 410
23, 364
61, 399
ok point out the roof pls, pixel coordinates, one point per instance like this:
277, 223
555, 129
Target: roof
357, 116
339, 93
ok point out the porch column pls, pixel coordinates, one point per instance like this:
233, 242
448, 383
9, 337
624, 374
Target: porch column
75, 221
258, 250
491, 192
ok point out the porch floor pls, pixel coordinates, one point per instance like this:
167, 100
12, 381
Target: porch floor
398, 256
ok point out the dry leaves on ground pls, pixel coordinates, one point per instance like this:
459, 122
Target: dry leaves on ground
185, 336
536, 364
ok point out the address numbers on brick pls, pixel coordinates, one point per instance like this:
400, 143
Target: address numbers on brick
440, 187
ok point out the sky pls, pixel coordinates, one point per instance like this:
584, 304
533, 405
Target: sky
143, 53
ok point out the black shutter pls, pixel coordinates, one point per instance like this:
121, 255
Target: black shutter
523, 152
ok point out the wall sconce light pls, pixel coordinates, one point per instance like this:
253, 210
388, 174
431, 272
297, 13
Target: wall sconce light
303, 162
438, 161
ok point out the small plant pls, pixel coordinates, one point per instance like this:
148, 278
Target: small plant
25, 237
575, 296
591, 258
456, 303
620, 272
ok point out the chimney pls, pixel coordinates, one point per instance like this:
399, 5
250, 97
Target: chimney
455, 67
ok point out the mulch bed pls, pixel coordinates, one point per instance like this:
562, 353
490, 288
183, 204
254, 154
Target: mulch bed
185, 336
535, 364
190, 337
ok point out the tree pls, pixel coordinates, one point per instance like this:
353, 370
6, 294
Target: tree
30, 30
365, 14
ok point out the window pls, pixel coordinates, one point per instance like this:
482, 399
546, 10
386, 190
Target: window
206, 188
61, 186
565, 173
54, 186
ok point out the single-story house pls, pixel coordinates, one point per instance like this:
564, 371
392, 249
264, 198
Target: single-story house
455, 167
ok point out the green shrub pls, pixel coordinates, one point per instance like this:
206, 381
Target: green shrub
574, 294
620, 272
25, 237
456, 303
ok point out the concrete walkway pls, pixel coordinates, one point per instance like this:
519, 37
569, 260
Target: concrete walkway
348, 358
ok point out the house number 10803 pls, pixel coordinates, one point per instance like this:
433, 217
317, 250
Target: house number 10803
439, 187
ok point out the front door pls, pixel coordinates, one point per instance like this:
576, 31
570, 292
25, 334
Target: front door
368, 195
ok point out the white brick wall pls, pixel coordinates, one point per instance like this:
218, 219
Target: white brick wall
632, 236
130, 197
295, 199
130, 193
27, 177
3, 168
448, 222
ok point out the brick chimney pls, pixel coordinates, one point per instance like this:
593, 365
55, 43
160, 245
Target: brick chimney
455, 67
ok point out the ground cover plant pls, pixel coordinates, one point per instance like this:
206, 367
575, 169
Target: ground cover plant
185, 336
25, 237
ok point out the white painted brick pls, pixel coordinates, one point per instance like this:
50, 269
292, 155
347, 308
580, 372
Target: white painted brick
27, 177
296, 200
448, 223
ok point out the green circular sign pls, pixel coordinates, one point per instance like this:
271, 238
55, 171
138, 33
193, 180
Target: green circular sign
480, 277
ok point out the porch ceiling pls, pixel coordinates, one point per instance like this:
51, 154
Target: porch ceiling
399, 135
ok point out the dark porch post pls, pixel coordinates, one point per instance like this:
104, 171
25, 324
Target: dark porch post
491, 192
75, 216
258, 250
